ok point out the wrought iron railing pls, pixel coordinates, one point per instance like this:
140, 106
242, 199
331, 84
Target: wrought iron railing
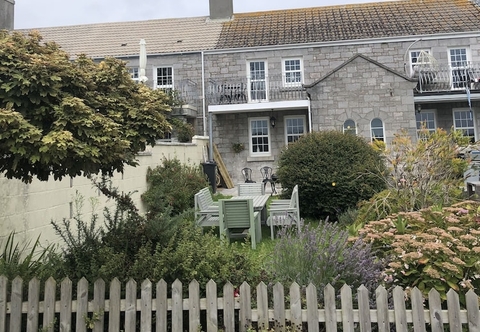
447, 78
247, 90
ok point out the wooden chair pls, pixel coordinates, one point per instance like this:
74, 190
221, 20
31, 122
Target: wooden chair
283, 214
238, 219
206, 210
251, 189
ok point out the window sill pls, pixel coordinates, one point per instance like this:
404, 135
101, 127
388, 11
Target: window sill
260, 158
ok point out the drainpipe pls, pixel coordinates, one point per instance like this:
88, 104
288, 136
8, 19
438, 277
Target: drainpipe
210, 137
309, 115
204, 105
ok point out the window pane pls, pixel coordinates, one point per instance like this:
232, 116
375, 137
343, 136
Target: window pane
259, 139
293, 72
463, 120
294, 127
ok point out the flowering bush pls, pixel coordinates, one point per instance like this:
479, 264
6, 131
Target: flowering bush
431, 248
322, 255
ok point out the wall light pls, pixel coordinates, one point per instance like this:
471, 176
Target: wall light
418, 109
272, 121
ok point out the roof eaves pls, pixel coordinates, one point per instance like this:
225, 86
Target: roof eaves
366, 58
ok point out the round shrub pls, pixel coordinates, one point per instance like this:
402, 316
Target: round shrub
172, 185
333, 170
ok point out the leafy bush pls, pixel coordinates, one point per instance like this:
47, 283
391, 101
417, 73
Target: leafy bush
107, 250
183, 130
189, 255
172, 185
432, 248
322, 255
428, 172
333, 170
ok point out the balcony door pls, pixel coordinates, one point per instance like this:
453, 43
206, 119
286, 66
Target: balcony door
257, 77
458, 58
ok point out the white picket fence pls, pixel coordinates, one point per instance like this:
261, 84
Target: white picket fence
154, 311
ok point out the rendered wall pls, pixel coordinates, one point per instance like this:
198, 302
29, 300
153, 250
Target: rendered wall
6, 14
28, 209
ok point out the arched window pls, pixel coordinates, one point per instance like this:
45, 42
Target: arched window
349, 127
377, 130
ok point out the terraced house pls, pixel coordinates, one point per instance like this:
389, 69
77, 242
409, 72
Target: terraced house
266, 78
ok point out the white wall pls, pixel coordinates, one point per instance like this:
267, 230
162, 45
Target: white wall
28, 209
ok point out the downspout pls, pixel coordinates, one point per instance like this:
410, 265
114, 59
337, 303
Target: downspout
210, 137
309, 115
204, 105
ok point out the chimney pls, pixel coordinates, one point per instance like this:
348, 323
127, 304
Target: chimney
221, 9
6, 14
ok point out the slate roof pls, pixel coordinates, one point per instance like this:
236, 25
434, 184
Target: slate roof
350, 22
271, 28
122, 39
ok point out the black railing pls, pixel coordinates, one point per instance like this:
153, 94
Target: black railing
271, 88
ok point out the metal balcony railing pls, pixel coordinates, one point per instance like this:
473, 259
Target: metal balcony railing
447, 78
248, 90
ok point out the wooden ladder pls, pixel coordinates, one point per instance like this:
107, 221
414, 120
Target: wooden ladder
221, 168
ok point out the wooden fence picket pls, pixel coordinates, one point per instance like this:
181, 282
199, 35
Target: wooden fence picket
381, 298
176, 313
146, 306
435, 307
162, 306
347, 308
312, 308
82, 305
228, 308
114, 306
193, 306
177, 306
418, 314
212, 307
400, 309
295, 306
473, 312
33, 303
453, 304
131, 306
98, 305
49, 305
364, 309
3, 303
330, 309
279, 307
262, 305
66, 305
245, 306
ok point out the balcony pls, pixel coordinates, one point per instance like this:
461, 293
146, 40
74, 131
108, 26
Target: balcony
445, 78
248, 90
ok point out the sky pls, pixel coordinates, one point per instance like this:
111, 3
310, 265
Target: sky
50, 13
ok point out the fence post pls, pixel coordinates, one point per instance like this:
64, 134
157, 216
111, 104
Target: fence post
400, 309
295, 307
3, 303
228, 308
82, 305
262, 306
347, 308
381, 298
99, 304
330, 308
245, 306
131, 306
212, 307
177, 306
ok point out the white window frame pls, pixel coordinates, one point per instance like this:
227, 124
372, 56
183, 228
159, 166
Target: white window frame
166, 87
418, 123
134, 73
250, 137
415, 58
349, 130
252, 81
285, 72
461, 68
374, 138
467, 113
296, 135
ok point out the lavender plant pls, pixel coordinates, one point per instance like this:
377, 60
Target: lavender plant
323, 255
